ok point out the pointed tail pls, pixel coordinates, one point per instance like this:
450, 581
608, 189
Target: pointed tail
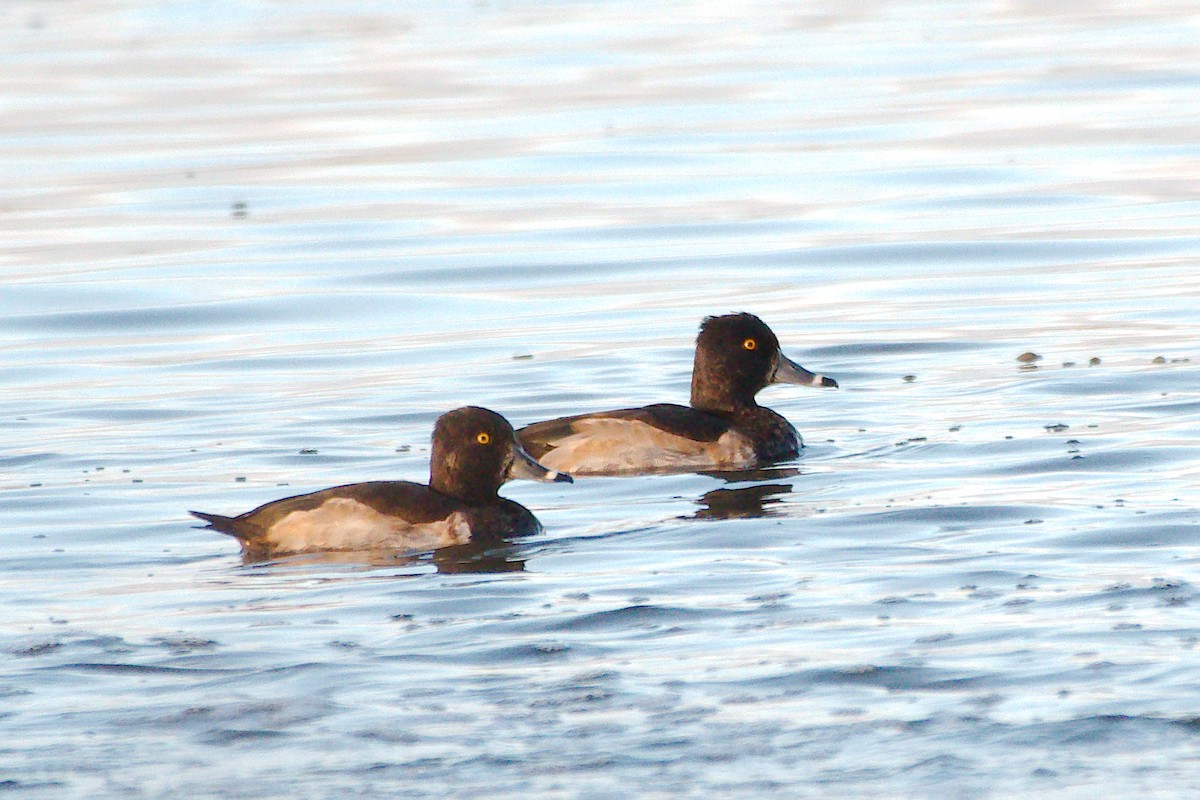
217, 522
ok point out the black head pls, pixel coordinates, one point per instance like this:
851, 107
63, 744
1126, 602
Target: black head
736, 355
475, 451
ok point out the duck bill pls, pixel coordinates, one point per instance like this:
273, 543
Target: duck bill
523, 466
788, 371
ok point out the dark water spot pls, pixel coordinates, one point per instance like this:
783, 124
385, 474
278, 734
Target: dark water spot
948, 765
1101, 461
34, 649
240, 736
636, 617
1134, 536
11, 785
1184, 407
943, 515
876, 349
967, 253
163, 318
147, 669
894, 678
132, 414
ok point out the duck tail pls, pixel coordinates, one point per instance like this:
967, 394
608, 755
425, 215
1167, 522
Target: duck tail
217, 522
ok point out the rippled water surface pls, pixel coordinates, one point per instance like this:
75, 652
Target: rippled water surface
250, 249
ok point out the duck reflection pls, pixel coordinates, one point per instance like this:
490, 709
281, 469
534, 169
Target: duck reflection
743, 503
748, 475
482, 557
473, 558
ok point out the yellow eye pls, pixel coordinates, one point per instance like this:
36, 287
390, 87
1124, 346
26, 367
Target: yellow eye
749, 344
483, 438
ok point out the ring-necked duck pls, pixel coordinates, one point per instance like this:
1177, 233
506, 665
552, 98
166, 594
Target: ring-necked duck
736, 355
474, 452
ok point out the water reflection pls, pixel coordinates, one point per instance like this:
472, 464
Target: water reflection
483, 557
743, 503
578, 182
753, 475
477, 558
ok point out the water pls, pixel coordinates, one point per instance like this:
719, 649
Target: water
235, 233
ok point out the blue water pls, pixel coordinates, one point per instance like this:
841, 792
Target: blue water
249, 250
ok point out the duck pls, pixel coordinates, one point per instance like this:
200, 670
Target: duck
723, 428
474, 452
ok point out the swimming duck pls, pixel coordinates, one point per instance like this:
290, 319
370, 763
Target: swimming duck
474, 452
736, 356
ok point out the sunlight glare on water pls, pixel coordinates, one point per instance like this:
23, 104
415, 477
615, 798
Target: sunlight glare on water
248, 250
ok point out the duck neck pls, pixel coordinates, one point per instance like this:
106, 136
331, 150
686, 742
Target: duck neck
711, 393
447, 477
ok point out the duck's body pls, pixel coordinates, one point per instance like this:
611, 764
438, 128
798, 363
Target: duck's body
723, 429
661, 437
474, 452
380, 515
